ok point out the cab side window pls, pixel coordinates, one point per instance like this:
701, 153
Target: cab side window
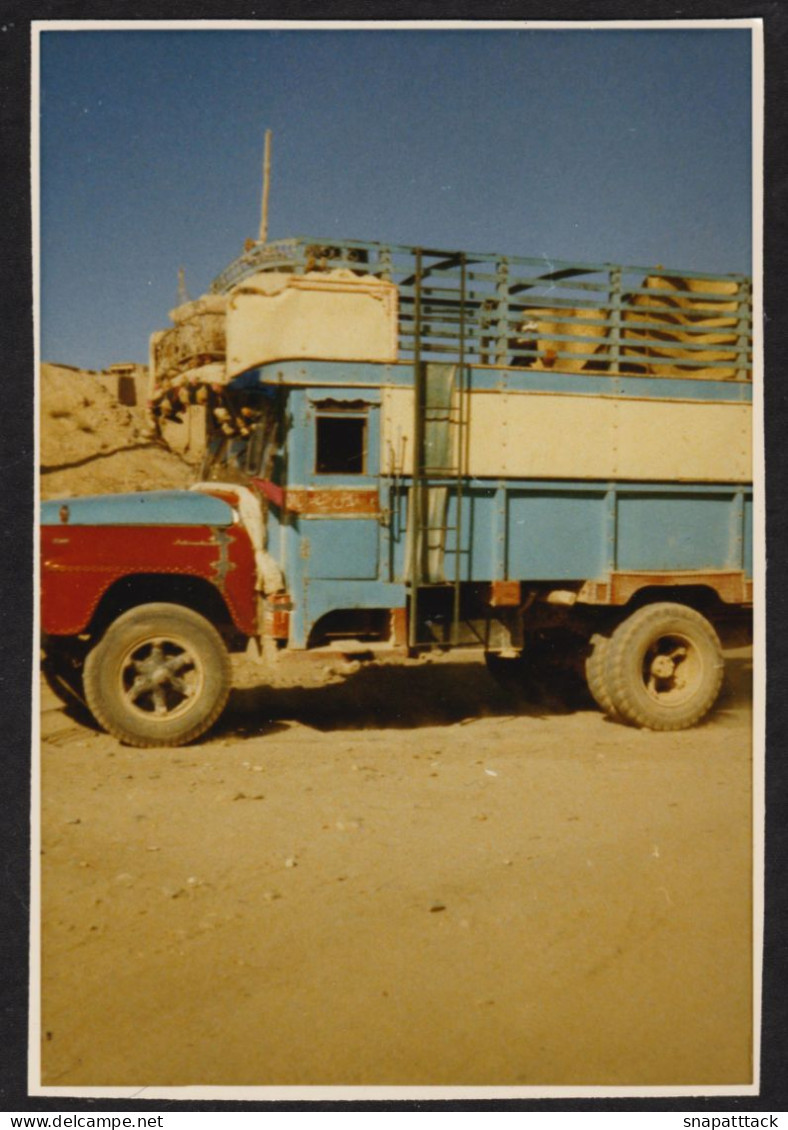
341, 443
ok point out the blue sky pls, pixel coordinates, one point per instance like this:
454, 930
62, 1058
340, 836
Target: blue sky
611, 145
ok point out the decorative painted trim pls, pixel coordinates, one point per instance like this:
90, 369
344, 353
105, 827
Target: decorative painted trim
322, 502
332, 503
731, 585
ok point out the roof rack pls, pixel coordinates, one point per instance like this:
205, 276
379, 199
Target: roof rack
540, 313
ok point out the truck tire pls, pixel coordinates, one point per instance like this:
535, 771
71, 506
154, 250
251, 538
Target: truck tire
159, 676
595, 674
663, 667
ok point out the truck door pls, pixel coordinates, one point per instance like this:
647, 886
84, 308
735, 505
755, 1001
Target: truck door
341, 506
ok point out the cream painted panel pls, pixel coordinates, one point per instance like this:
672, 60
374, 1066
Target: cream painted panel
546, 437
685, 441
553, 436
335, 316
396, 456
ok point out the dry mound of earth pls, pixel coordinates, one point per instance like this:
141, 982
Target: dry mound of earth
91, 444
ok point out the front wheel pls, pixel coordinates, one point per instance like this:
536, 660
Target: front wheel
159, 676
663, 667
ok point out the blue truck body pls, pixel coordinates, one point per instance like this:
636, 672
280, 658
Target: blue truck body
546, 530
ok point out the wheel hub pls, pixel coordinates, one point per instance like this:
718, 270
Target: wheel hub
160, 677
666, 666
671, 669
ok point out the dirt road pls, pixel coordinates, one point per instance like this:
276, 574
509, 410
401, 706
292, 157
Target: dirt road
391, 878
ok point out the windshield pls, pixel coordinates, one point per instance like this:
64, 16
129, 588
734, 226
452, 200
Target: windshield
242, 435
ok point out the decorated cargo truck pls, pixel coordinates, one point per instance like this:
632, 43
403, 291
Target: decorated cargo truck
412, 449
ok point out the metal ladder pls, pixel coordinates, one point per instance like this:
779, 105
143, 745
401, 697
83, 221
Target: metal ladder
440, 428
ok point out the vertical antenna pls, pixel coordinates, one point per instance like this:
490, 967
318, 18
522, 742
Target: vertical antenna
183, 294
266, 187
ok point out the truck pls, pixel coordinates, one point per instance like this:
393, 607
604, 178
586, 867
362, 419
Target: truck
410, 449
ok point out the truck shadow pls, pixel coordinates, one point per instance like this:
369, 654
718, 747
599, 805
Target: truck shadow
414, 696
442, 694
393, 697
736, 689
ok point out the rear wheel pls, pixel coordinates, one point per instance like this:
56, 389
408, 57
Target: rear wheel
159, 676
663, 667
595, 674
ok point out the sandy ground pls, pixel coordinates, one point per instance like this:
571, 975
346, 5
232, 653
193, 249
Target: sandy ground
399, 877
394, 876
